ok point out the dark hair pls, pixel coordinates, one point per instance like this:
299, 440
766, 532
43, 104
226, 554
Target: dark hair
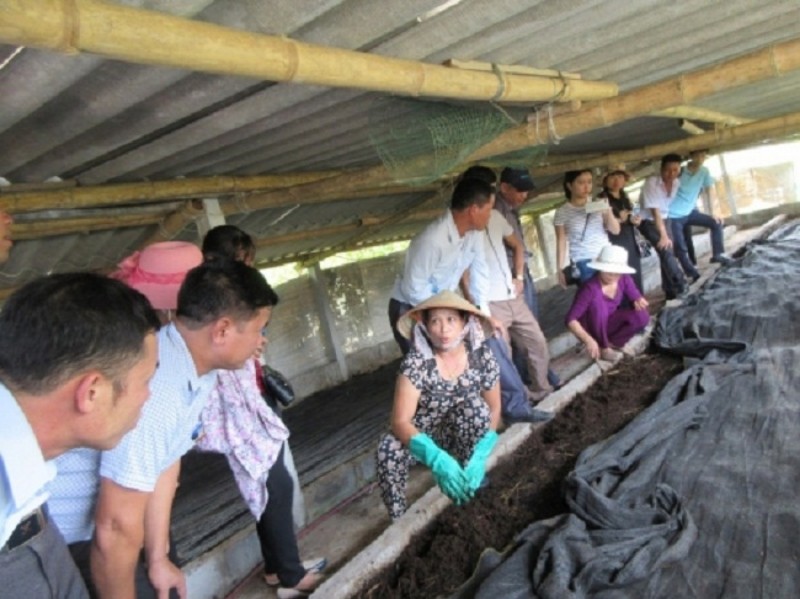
228, 242
62, 325
223, 288
570, 176
470, 191
667, 158
426, 314
483, 173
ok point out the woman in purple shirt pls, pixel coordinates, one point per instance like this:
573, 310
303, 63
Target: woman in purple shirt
595, 317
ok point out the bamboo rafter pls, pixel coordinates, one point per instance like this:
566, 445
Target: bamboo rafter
149, 37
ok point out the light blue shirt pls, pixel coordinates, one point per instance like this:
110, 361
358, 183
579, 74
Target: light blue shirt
24, 473
167, 429
691, 186
437, 258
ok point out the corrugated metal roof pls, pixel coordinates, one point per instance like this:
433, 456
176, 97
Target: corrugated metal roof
97, 121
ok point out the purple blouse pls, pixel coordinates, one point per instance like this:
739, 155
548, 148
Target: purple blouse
591, 291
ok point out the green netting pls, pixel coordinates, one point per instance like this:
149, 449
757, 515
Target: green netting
419, 142
525, 158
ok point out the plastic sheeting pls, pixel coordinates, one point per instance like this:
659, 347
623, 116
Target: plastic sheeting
697, 497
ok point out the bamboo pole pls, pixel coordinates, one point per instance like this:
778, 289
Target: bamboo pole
701, 114
767, 63
70, 226
149, 37
18, 202
777, 127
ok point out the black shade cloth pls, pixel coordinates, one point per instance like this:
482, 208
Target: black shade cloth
698, 496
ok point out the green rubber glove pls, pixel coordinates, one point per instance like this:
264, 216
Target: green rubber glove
446, 470
476, 467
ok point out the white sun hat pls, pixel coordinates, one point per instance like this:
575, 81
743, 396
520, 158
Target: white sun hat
612, 258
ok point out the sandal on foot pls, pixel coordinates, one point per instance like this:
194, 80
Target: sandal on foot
313, 565
304, 588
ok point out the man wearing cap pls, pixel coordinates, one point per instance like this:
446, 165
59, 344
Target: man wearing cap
77, 352
657, 194
222, 309
515, 187
683, 214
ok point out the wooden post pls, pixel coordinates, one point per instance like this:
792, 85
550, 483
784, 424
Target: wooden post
330, 335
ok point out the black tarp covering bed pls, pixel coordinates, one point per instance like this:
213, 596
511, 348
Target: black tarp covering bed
699, 496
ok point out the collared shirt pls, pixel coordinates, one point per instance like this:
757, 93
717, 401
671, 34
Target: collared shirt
437, 258
167, 429
655, 195
501, 284
24, 473
691, 185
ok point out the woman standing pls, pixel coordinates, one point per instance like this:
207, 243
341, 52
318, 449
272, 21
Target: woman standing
253, 437
621, 206
584, 227
446, 402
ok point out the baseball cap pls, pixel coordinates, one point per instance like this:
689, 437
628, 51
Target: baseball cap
518, 178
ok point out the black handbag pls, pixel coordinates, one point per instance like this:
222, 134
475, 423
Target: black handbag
277, 386
572, 274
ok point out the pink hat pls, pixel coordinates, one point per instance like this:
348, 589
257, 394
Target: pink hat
158, 271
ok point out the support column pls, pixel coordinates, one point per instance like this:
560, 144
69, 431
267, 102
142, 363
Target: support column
548, 259
212, 217
330, 334
726, 180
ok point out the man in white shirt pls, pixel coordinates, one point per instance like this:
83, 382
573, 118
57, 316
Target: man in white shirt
449, 247
443, 251
657, 195
77, 352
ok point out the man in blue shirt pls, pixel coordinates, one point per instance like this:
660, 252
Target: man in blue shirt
683, 214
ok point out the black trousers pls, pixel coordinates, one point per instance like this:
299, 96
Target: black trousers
672, 280
396, 310
275, 528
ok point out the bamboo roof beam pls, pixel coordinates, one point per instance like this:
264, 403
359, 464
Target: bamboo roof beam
701, 114
70, 226
778, 127
767, 63
63, 197
149, 37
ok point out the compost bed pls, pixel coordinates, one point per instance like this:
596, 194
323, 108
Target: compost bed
525, 486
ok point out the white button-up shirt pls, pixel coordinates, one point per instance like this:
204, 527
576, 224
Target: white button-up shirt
437, 258
655, 195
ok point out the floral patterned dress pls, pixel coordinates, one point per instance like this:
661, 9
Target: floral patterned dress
453, 413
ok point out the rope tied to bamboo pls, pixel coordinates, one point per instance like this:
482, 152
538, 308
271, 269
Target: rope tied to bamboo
501, 82
72, 24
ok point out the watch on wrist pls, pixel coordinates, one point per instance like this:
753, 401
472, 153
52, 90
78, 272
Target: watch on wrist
519, 277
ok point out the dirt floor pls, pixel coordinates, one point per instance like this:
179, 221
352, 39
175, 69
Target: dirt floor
523, 488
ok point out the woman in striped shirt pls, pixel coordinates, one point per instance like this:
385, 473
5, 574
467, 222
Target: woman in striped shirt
580, 227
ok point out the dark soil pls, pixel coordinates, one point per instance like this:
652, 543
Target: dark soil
523, 488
